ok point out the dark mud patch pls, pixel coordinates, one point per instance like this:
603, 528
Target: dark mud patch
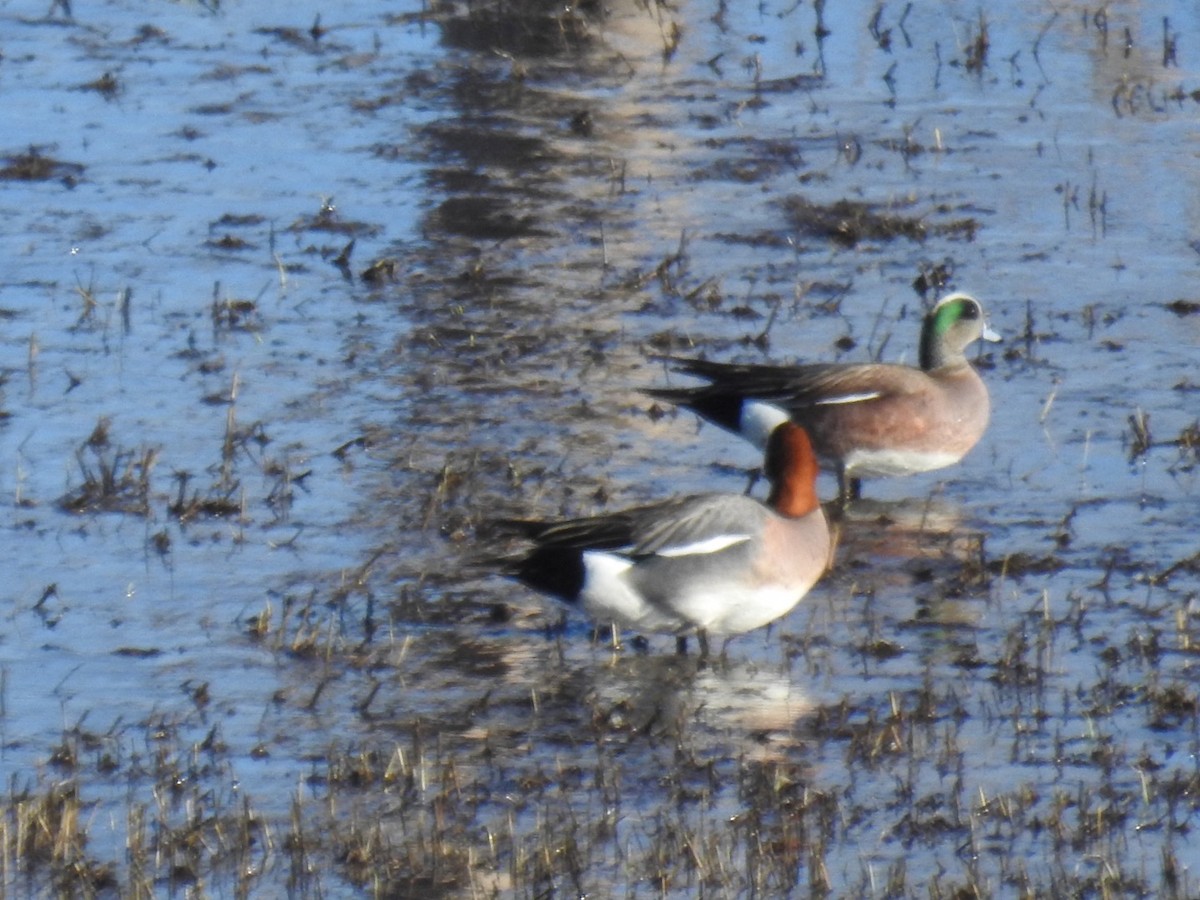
485, 218
528, 28
33, 165
1183, 308
107, 86
851, 222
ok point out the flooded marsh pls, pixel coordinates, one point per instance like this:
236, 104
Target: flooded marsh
295, 299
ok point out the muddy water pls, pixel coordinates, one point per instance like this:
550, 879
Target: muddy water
289, 305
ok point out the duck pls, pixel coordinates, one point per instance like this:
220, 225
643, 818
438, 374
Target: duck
866, 420
718, 564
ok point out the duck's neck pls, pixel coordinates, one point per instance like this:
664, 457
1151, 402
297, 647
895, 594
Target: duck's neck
791, 466
794, 496
934, 354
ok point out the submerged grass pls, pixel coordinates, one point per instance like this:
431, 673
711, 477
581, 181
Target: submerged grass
113, 479
585, 771
458, 805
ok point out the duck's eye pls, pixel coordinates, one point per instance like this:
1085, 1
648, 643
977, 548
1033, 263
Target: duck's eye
970, 310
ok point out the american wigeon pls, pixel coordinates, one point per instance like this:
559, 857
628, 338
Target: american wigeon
866, 420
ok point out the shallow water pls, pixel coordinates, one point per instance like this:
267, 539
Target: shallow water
994, 687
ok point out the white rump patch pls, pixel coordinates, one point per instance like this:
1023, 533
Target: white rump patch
709, 545
608, 597
759, 420
603, 566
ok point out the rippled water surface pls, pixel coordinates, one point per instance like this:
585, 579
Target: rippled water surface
294, 296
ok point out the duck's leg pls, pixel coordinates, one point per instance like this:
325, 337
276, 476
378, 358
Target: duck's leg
753, 477
855, 488
725, 648
849, 488
681, 645
614, 634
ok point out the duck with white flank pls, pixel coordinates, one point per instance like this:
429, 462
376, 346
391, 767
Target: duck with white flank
709, 564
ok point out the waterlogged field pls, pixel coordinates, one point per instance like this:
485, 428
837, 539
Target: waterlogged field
295, 297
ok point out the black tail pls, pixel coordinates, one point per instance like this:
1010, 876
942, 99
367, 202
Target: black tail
557, 571
707, 401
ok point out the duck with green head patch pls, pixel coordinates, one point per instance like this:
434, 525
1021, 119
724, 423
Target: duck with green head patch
870, 420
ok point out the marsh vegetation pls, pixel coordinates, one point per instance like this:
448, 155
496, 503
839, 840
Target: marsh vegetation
293, 300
